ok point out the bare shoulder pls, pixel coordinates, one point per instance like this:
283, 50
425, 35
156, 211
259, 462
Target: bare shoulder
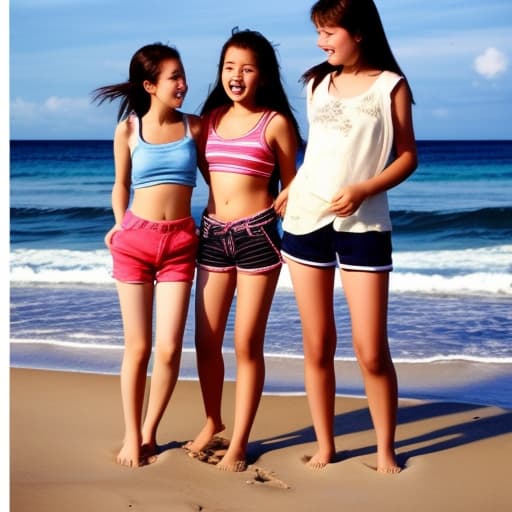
123, 130
400, 95
278, 125
279, 122
194, 123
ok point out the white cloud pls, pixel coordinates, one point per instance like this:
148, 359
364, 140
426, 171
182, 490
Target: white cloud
56, 104
23, 109
491, 63
59, 117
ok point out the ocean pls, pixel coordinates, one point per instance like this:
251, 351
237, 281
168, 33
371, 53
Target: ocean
450, 316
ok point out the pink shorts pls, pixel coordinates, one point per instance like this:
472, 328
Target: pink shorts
144, 251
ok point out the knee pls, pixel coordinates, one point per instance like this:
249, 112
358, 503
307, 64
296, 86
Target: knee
169, 355
374, 362
321, 353
139, 353
208, 352
249, 355
249, 349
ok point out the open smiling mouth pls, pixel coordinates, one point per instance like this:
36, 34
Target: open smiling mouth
237, 88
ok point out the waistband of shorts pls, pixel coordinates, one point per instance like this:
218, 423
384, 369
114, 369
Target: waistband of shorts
258, 219
131, 221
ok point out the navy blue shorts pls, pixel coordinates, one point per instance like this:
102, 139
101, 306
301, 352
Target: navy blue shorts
251, 244
369, 252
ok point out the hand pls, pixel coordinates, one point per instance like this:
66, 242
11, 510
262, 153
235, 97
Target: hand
347, 200
110, 234
280, 202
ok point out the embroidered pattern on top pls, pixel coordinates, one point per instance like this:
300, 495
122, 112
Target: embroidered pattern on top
334, 115
369, 105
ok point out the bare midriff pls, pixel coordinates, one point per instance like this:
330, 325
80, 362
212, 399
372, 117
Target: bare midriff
236, 196
162, 202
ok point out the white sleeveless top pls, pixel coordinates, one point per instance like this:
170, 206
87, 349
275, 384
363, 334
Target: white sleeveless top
349, 141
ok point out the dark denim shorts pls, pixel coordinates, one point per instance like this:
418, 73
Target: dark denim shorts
251, 244
369, 252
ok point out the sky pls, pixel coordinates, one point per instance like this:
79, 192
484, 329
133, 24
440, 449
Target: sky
457, 55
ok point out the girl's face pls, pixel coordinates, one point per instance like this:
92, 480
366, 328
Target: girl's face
341, 47
240, 75
171, 85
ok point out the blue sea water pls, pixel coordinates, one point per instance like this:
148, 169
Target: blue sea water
450, 292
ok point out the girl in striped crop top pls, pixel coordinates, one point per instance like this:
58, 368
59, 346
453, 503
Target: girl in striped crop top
250, 143
153, 242
249, 154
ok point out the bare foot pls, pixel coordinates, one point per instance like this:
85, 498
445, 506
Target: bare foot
390, 470
386, 463
233, 460
204, 438
235, 466
317, 461
129, 454
148, 453
132, 455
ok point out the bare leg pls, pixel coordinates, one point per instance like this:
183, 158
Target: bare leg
313, 289
214, 294
367, 297
172, 301
254, 299
136, 302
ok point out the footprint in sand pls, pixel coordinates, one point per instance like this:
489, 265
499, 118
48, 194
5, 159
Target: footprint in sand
268, 478
213, 452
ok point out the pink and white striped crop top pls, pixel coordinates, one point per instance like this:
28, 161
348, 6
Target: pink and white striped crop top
249, 154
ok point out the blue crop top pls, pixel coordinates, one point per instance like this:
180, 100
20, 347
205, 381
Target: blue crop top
173, 162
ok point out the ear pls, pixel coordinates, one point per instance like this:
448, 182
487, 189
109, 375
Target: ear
148, 86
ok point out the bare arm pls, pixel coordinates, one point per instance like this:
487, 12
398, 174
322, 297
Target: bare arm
122, 178
198, 129
349, 198
201, 148
281, 137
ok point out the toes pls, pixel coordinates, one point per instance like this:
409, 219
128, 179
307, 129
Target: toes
237, 466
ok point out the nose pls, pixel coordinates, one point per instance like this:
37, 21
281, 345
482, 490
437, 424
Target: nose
182, 87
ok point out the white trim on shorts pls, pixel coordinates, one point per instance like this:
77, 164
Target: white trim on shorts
329, 264
337, 263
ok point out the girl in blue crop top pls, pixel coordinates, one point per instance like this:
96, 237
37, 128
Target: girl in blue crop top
153, 241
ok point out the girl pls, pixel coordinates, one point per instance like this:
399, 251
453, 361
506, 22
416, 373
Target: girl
251, 140
359, 109
153, 243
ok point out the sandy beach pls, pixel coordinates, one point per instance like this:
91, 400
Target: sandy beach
65, 430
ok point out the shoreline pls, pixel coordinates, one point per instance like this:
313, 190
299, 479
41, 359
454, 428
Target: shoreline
461, 381
66, 429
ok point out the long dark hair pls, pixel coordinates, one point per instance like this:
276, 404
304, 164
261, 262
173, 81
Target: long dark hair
144, 65
360, 18
270, 93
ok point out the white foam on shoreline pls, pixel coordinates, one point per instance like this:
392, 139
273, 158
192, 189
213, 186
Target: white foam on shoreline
84, 347
476, 271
